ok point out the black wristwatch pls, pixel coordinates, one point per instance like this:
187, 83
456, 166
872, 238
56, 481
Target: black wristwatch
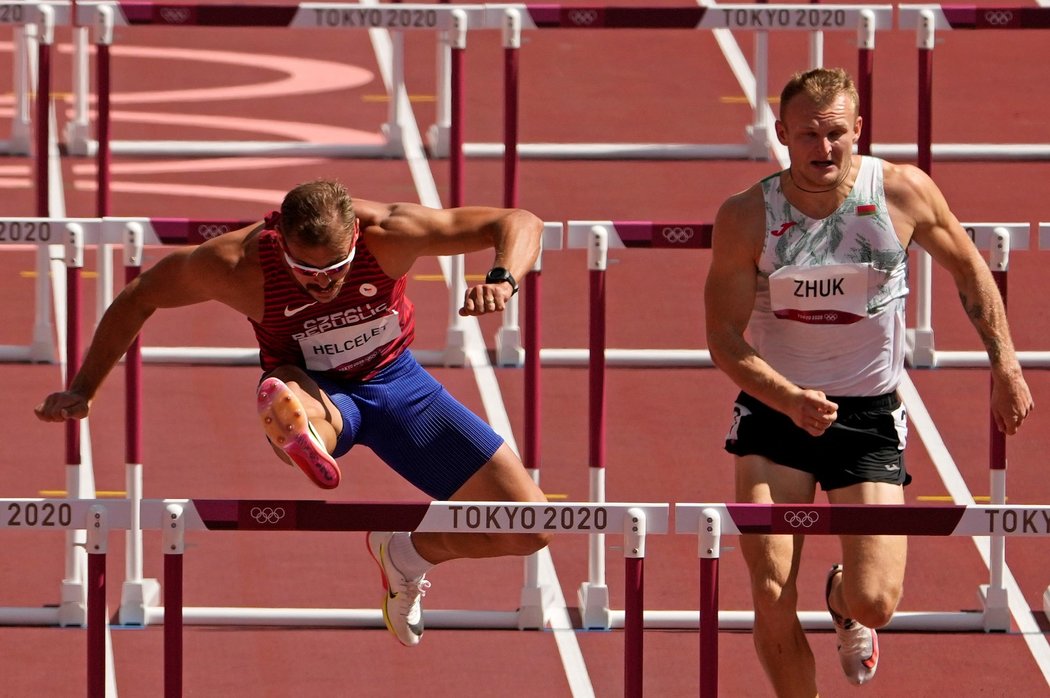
499, 274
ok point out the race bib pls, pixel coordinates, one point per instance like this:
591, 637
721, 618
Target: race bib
835, 294
344, 345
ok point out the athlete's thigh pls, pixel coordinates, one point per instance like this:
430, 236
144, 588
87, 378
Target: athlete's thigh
878, 561
502, 478
772, 559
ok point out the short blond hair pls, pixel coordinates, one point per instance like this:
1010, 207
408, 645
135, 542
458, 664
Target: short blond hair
821, 86
315, 211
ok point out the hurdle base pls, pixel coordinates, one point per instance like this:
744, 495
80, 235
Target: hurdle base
1046, 603
534, 604
921, 353
455, 347
594, 606
509, 350
758, 142
73, 609
996, 609
136, 598
395, 144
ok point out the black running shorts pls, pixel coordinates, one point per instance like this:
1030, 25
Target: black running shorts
865, 444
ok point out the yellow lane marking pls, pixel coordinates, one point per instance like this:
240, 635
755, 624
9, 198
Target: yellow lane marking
740, 99
556, 496
439, 277
101, 494
84, 274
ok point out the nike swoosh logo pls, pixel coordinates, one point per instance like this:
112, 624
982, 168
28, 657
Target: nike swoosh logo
288, 312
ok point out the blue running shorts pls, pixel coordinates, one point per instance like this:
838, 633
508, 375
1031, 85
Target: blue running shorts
865, 444
413, 424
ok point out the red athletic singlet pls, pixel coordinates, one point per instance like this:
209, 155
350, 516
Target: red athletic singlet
368, 325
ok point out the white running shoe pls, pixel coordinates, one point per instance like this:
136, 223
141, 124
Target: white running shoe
858, 645
402, 610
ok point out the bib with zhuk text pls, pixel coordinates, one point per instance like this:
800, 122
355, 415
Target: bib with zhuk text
833, 294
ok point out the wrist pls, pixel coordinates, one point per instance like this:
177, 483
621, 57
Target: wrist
501, 275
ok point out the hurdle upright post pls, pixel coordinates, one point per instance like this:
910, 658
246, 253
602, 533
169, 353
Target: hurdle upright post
455, 338
137, 593
594, 593
710, 539
103, 41
45, 38
865, 68
97, 525
73, 590
994, 595
173, 538
634, 607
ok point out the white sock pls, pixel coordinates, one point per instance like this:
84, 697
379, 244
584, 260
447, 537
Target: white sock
406, 558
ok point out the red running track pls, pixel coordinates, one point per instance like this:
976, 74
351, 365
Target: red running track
664, 425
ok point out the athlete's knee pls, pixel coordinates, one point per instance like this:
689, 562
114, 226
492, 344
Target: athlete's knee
874, 608
773, 597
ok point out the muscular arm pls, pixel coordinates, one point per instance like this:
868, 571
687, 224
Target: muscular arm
184, 277
935, 228
399, 234
729, 297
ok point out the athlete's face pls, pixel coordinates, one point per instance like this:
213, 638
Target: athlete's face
321, 270
819, 138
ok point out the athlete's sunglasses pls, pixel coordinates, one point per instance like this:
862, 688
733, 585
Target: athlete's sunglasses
331, 272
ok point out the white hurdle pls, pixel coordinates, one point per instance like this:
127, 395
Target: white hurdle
926, 20
175, 517
712, 521
598, 237
864, 19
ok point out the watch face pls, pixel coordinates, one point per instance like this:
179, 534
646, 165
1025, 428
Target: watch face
499, 274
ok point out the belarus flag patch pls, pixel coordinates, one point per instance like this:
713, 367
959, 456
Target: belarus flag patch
867, 210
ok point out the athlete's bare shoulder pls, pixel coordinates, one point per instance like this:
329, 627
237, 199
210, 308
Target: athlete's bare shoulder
741, 219
914, 199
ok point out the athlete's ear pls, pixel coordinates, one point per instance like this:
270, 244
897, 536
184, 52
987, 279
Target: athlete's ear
778, 125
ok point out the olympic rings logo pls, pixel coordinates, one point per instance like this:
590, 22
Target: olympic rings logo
998, 18
267, 515
677, 235
801, 519
583, 18
210, 231
175, 15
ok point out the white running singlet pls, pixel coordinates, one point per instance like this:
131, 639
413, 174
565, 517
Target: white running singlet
829, 308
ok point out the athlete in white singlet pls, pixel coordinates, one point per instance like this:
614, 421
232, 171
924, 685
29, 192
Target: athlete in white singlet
805, 313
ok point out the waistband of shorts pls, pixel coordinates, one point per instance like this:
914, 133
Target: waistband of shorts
855, 403
846, 403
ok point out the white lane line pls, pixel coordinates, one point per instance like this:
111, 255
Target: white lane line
923, 424
496, 412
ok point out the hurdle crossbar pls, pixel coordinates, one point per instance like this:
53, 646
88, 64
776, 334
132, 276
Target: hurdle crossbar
175, 517
759, 18
332, 16
712, 521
